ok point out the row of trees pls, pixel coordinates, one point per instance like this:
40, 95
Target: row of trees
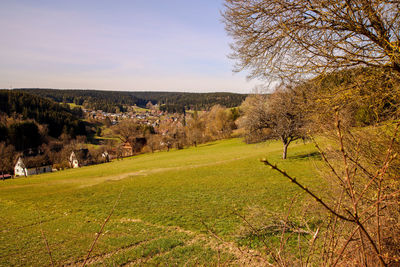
116, 101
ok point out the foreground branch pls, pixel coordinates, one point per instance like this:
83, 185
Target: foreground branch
305, 189
101, 229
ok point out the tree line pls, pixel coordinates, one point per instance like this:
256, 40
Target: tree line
117, 101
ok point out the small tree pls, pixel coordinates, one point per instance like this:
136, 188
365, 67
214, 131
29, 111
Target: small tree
172, 134
277, 116
128, 131
219, 123
195, 128
153, 141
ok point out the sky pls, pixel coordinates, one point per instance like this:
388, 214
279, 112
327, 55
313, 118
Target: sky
126, 45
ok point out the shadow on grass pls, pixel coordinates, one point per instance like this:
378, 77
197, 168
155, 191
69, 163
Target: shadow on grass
313, 155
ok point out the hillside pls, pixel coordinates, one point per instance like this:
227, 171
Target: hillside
169, 207
28, 121
112, 101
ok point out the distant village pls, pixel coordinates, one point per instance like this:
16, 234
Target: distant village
35, 161
150, 116
38, 135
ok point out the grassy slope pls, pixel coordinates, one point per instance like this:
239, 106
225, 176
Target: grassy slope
166, 197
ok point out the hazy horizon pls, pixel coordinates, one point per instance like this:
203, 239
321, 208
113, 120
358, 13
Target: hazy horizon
117, 90
176, 46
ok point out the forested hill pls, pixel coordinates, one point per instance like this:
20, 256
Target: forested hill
58, 118
112, 101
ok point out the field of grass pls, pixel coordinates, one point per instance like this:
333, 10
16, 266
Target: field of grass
170, 206
73, 105
141, 110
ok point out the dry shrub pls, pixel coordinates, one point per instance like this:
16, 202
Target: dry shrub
368, 159
288, 237
362, 197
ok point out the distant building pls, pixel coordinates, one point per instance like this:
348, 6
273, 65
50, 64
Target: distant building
79, 158
73, 161
149, 105
27, 166
105, 156
5, 176
138, 144
127, 149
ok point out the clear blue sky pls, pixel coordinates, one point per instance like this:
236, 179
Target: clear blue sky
163, 45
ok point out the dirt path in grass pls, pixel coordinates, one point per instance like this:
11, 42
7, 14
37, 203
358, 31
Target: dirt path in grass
101, 257
86, 182
94, 181
242, 256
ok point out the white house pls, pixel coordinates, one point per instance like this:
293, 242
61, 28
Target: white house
79, 158
73, 161
20, 169
105, 156
25, 169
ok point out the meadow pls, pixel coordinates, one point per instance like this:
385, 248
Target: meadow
171, 208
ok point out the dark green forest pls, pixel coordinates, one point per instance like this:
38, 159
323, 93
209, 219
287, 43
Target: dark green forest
24, 114
116, 101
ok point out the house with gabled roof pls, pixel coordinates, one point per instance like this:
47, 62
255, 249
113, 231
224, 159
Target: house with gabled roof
134, 147
80, 158
26, 166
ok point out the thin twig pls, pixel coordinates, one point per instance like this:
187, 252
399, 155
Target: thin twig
353, 198
102, 228
344, 246
257, 232
211, 231
346, 166
319, 200
284, 227
311, 250
385, 165
44, 238
299, 247
327, 161
349, 239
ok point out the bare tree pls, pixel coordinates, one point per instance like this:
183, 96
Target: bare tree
287, 39
254, 117
275, 116
195, 128
128, 131
7, 156
172, 134
219, 123
153, 142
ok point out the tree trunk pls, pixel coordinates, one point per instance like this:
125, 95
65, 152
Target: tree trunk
285, 146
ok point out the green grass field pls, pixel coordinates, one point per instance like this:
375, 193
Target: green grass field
174, 208
73, 105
